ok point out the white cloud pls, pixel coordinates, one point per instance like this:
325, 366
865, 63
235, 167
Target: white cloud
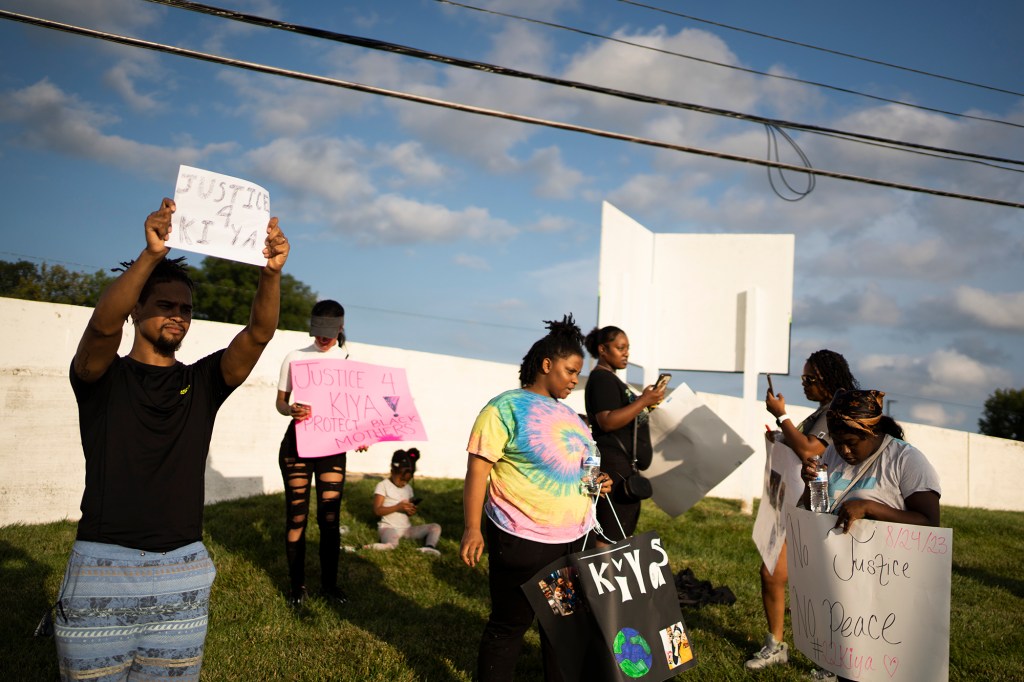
281, 106
55, 121
935, 414
550, 223
122, 77
122, 16
411, 162
466, 260
390, 218
555, 180
942, 374
995, 311
329, 169
332, 182
870, 306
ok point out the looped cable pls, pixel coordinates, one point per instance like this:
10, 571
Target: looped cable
773, 154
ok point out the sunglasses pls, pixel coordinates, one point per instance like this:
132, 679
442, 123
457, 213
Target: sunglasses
808, 380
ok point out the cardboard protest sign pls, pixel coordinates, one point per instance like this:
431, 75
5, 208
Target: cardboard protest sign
694, 450
631, 595
557, 598
871, 604
782, 489
353, 404
218, 215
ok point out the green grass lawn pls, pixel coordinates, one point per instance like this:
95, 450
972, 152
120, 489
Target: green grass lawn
417, 617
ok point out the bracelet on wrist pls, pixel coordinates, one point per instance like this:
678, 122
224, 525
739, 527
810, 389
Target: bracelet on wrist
781, 418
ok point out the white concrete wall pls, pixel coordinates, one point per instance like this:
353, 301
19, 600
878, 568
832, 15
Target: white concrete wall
42, 468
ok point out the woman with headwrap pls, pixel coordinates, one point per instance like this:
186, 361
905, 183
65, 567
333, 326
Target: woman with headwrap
873, 473
825, 372
327, 327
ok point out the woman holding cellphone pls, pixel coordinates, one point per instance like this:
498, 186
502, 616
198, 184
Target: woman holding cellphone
824, 373
619, 420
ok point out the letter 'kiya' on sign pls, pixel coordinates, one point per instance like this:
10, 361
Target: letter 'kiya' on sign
218, 215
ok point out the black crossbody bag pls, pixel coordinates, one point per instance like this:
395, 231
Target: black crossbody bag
635, 486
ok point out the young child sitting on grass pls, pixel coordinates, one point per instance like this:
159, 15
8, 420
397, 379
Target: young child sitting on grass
394, 502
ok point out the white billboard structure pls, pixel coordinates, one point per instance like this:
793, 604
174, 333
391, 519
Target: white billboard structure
697, 301
704, 302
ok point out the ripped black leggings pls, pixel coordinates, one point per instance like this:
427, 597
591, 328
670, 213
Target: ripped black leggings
329, 476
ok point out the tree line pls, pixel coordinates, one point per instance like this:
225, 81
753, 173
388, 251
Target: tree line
224, 292
224, 289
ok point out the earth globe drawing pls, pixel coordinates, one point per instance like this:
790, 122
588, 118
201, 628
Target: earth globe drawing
632, 653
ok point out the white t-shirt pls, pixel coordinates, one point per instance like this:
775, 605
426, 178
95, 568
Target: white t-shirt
896, 474
392, 495
284, 381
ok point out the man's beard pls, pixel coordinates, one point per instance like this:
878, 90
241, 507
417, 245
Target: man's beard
166, 347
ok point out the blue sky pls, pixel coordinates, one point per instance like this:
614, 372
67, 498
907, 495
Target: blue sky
447, 232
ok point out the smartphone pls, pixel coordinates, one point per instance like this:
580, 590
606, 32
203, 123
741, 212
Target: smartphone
662, 381
416, 500
771, 389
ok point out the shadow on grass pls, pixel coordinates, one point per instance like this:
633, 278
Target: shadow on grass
23, 600
1013, 585
252, 529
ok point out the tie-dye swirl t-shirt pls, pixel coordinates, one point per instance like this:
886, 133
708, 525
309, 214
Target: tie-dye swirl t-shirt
537, 446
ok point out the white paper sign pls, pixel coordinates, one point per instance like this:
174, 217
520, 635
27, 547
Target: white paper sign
694, 450
782, 489
872, 604
218, 215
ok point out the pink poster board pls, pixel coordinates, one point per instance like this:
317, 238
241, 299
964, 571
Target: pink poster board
355, 404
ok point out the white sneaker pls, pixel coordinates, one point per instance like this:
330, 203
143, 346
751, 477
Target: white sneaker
772, 653
819, 675
429, 550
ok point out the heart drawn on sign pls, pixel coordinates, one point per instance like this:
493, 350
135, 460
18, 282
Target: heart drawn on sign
891, 663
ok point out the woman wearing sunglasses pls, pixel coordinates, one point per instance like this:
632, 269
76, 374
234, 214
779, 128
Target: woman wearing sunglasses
825, 373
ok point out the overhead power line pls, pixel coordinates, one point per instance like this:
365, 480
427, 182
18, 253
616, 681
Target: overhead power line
410, 97
417, 53
734, 67
848, 55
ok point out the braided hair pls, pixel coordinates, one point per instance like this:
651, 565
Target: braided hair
600, 337
167, 270
564, 339
833, 370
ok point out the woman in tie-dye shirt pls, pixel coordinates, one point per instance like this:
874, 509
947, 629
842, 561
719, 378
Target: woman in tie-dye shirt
531, 447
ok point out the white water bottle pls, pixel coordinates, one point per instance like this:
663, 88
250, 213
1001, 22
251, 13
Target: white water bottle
591, 468
819, 487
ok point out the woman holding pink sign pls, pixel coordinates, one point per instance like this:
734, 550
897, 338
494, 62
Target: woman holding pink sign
327, 327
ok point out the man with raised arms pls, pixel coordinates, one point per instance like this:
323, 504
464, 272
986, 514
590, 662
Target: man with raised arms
135, 596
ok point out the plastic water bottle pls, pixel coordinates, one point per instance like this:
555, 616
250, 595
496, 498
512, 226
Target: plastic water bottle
819, 487
591, 468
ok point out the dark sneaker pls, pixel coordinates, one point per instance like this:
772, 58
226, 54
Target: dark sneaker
334, 594
296, 598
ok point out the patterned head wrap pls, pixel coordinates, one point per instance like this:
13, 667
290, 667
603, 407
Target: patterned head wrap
855, 411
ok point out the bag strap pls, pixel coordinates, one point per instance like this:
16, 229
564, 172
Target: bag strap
863, 470
633, 453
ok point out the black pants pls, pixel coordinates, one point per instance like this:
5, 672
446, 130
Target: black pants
513, 561
299, 474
